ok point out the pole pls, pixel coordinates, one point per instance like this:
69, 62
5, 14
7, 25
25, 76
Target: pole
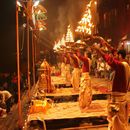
33, 58
28, 58
18, 71
35, 49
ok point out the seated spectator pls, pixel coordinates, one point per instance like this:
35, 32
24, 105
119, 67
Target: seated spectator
7, 99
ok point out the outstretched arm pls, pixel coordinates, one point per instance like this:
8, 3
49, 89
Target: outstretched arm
105, 43
114, 63
99, 51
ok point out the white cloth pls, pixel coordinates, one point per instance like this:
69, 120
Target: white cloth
5, 95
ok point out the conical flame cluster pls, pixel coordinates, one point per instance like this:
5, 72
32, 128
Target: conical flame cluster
85, 24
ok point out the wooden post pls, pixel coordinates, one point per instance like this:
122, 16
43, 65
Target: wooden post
28, 57
18, 70
33, 58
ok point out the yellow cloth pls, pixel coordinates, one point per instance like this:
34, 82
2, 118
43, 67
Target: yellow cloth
75, 80
118, 112
67, 72
85, 96
37, 109
39, 106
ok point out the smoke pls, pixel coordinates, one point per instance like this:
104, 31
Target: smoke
75, 10
62, 13
61, 20
69, 14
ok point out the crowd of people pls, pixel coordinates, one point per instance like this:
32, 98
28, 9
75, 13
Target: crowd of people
9, 90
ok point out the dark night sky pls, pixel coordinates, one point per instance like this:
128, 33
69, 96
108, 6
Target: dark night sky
7, 34
60, 13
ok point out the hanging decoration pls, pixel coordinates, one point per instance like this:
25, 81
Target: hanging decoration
39, 17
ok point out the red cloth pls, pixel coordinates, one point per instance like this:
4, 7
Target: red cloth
119, 81
75, 61
85, 66
67, 60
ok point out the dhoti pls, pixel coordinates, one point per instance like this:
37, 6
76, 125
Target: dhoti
67, 70
63, 71
85, 96
118, 112
75, 81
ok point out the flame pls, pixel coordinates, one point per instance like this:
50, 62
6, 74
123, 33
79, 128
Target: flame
63, 41
86, 25
69, 35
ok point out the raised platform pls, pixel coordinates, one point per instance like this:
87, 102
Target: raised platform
65, 112
68, 115
65, 115
65, 93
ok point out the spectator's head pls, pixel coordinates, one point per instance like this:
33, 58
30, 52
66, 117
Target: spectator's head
121, 54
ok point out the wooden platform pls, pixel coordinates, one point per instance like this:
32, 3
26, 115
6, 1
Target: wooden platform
63, 115
65, 112
68, 115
